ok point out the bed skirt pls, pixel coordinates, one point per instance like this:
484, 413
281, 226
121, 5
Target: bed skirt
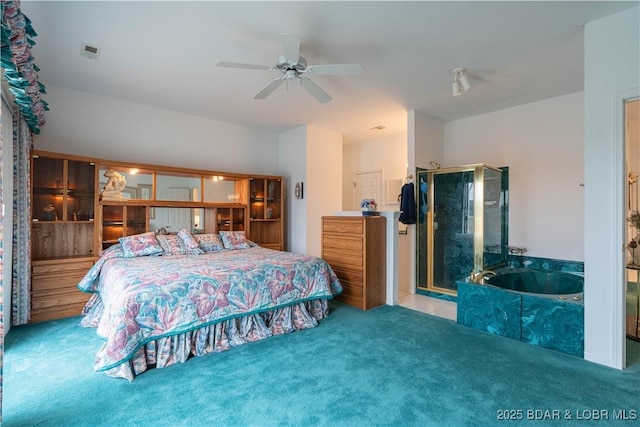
214, 338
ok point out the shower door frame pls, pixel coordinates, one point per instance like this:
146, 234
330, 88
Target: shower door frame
478, 170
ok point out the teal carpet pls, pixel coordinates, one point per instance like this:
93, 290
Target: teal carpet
388, 366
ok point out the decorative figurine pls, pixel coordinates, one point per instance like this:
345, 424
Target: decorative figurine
271, 190
114, 186
50, 213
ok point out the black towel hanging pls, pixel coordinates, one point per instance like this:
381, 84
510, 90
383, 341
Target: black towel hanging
407, 204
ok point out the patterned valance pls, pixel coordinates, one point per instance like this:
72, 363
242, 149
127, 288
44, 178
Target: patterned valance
20, 71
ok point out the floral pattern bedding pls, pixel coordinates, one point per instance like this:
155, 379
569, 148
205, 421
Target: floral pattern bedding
150, 297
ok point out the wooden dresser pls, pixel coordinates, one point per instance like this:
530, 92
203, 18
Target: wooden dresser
54, 293
355, 247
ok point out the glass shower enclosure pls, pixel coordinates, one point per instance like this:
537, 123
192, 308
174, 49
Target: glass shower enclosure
462, 224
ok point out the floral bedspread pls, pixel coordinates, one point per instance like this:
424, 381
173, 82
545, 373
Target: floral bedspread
150, 297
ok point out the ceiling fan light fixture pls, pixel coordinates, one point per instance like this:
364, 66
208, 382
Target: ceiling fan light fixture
455, 85
464, 81
460, 81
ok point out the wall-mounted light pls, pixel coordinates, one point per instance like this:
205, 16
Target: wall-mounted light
134, 171
460, 81
217, 178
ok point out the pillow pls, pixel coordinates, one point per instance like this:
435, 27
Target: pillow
209, 242
171, 244
234, 240
140, 245
113, 251
190, 242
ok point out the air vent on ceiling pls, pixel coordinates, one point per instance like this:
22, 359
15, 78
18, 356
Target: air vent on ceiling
90, 51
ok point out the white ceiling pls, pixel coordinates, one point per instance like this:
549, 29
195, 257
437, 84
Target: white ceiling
164, 53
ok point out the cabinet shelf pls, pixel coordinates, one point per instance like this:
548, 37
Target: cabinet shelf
47, 191
52, 191
44, 221
266, 210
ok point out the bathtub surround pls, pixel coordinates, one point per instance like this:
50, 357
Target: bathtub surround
542, 320
553, 324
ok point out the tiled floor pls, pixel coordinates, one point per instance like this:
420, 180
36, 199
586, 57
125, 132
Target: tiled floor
434, 306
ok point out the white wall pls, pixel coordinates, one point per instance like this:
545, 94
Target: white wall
85, 124
542, 143
425, 143
292, 161
311, 155
612, 73
386, 153
323, 183
389, 154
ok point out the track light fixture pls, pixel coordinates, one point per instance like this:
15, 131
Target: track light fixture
460, 81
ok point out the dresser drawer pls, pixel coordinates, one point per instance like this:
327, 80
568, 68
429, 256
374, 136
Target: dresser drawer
342, 258
51, 282
50, 300
343, 226
58, 274
352, 291
342, 242
40, 268
349, 276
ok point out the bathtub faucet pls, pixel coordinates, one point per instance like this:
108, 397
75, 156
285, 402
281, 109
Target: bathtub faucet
481, 277
516, 250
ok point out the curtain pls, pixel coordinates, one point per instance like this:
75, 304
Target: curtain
20, 71
21, 275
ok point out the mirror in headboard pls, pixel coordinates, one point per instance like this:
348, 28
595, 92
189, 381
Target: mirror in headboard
139, 182
175, 219
218, 188
178, 187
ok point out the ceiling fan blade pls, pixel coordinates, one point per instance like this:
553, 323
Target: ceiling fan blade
335, 69
225, 64
290, 47
315, 90
275, 83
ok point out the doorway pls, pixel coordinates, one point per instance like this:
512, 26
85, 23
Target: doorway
367, 185
632, 154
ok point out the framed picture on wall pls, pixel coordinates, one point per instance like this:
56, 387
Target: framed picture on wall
144, 192
129, 193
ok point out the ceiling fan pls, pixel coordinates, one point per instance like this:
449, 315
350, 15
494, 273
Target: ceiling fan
292, 66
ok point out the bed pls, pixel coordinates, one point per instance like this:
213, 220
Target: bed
160, 300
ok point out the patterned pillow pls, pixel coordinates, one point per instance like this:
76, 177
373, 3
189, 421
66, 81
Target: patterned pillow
209, 242
234, 240
190, 243
171, 244
113, 251
140, 245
